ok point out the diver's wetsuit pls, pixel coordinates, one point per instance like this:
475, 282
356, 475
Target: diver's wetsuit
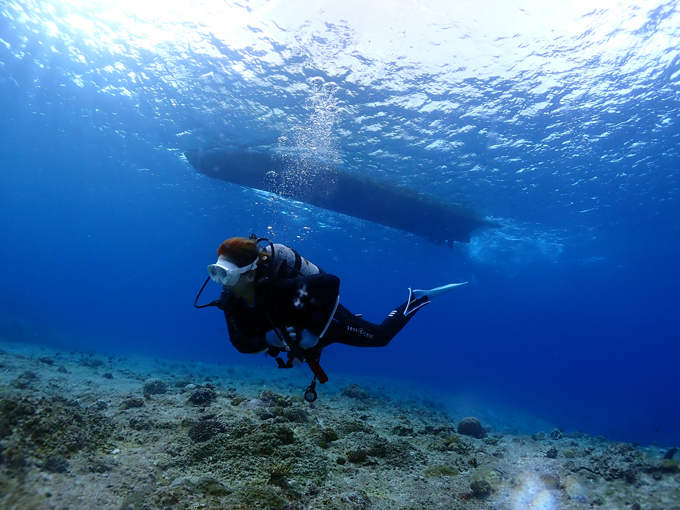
349, 329
305, 302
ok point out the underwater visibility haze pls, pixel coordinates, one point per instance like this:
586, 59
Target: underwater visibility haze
555, 124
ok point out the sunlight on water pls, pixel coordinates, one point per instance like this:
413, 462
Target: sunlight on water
461, 39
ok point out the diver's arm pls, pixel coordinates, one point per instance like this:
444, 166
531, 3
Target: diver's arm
247, 344
243, 335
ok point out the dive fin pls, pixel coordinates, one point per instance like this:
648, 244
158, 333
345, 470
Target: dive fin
414, 304
436, 291
419, 298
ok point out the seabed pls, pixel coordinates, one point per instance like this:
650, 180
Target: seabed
86, 431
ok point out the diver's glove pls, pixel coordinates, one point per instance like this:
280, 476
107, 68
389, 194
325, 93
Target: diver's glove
308, 339
274, 340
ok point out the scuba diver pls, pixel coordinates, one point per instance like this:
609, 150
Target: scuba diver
275, 301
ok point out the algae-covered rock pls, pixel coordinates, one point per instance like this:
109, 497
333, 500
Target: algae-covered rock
356, 455
322, 436
471, 427
181, 383
136, 499
347, 426
264, 413
100, 404
569, 453
357, 392
308, 464
131, 402
557, 434
353, 500
402, 430
669, 465
154, 387
56, 464
456, 444
294, 414
437, 430
204, 430
202, 396
49, 430
440, 471
140, 422
271, 398
244, 440
25, 380
330, 434
212, 487
480, 488
251, 449
398, 453
251, 497
91, 362
259, 498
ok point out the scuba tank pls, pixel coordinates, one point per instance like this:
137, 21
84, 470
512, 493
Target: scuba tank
297, 264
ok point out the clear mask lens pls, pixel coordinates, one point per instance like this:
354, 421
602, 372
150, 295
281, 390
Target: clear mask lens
223, 276
228, 275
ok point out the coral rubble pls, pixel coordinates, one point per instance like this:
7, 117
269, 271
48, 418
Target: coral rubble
72, 438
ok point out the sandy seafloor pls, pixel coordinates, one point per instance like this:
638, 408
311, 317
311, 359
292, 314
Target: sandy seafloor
78, 432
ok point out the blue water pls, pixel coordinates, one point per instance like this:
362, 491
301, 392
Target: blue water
559, 123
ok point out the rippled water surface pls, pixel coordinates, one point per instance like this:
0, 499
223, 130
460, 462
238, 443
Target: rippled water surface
507, 106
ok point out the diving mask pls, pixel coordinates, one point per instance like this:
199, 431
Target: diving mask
228, 273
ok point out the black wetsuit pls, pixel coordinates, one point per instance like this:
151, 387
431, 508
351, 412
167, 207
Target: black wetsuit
305, 302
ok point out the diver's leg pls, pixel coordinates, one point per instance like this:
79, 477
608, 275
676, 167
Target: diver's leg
350, 329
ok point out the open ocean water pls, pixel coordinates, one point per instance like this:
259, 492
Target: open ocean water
559, 121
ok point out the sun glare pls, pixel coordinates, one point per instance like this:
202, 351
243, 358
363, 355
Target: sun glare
432, 36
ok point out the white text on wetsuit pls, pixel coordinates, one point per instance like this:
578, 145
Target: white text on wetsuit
359, 331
